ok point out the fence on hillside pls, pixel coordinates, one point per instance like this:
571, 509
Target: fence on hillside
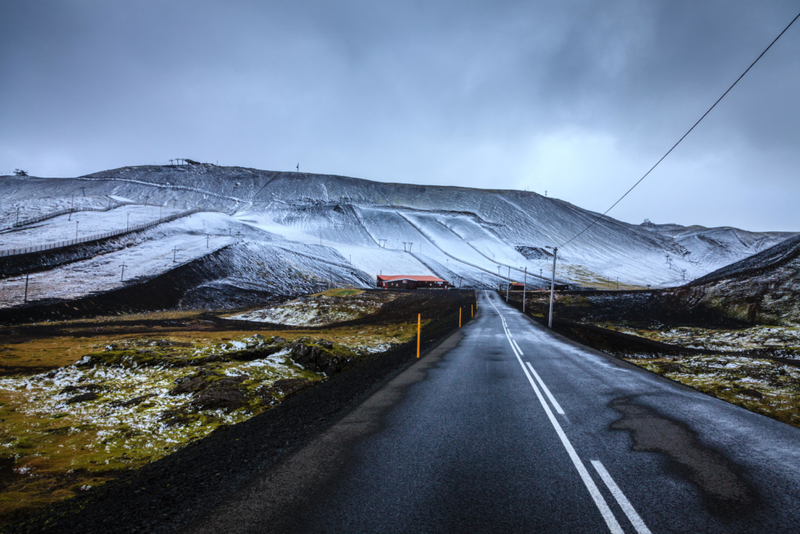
96, 237
58, 213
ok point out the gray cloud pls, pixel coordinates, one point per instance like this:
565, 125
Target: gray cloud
577, 98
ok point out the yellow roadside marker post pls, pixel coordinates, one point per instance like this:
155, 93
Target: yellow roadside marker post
471, 311
459, 317
419, 329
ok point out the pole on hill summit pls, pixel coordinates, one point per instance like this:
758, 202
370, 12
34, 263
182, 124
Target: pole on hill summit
552, 289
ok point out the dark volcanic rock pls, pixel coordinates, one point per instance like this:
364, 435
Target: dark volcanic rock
131, 402
82, 397
205, 379
226, 397
321, 356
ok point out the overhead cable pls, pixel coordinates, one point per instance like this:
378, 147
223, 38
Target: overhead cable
682, 138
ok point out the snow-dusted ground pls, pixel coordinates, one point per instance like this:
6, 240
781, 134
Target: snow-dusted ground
746, 339
297, 230
82, 224
104, 272
137, 429
318, 311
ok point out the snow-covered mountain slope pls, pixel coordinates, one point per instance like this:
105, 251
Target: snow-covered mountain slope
764, 288
767, 260
278, 228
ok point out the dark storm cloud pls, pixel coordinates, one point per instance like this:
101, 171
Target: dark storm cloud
577, 98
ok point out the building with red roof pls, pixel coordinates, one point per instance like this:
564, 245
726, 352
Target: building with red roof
404, 281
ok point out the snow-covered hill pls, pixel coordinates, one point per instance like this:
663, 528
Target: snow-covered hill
288, 233
763, 288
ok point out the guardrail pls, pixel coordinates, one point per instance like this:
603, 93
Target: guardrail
96, 237
58, 213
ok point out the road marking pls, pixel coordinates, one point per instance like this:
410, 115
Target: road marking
599, 501
623, 501
553, 401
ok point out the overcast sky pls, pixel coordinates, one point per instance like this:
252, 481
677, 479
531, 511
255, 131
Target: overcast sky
576, 98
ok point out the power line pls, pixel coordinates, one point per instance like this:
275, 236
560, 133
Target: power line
684, 135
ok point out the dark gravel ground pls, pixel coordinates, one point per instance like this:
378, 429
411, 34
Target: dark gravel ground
167, 495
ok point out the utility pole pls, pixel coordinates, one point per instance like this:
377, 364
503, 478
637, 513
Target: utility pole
524, 287
174, 254
128, 222
552, 289
122, 276
508, 282
72, 207
25, 298
76, 229
207, 238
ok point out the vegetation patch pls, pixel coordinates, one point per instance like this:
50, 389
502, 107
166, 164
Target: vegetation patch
760, 385
129, 404
329, 307
127, 401
782, 341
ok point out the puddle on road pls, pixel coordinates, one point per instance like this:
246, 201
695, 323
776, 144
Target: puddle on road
712, 473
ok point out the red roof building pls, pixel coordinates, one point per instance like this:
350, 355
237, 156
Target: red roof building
411, 282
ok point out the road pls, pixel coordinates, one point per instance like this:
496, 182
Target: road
510, 428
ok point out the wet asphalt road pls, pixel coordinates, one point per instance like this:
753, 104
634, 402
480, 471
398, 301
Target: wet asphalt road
517, 430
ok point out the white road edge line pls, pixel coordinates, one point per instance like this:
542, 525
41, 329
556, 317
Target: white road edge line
553, 400
599, 501
623, 501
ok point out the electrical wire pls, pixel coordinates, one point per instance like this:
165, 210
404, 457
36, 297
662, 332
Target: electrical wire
683, 137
